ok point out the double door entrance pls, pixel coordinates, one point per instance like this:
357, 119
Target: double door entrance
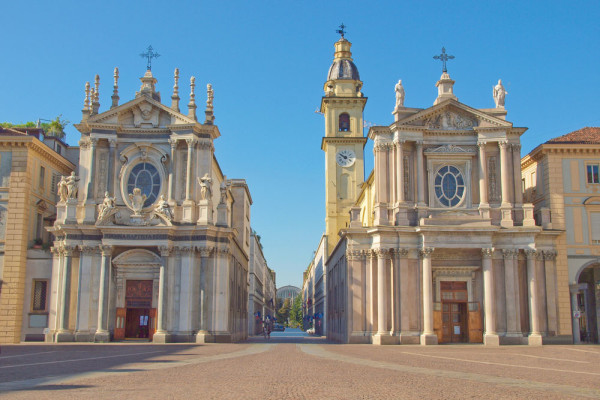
138, 319
456, 320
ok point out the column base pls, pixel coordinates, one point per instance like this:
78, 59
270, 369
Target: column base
188, 214
428, 339
63, 336
410, 338
534, 339
513, 338
382, 339
506, 212
381, 214
102, 337
84, 336
207, 337
161, 337
484, 211
402, 216
491, 339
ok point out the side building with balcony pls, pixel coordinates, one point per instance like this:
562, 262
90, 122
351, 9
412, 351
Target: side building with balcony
262, 289
314, 300
561, 178
31, 164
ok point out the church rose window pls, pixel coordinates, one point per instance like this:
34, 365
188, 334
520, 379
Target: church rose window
145, 176
449, 186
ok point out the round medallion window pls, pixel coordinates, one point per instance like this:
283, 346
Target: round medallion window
449, 186
145, 176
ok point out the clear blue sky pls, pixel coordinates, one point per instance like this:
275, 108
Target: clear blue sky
268, 60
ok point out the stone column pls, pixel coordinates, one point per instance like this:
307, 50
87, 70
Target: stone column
82, 324
505, 207
160, 336
575, 307
511, 289
92, 172
380, 151
420, 175
171, 188
188, 182
102, 334
403, 283
112, 143
490, 337
535, 338
186, 306
400, 171
516, 154
205, 253
484, 207
550, 290
383, 333
428, 336
64, 334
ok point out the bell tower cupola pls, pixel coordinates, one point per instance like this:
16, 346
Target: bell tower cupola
342, 106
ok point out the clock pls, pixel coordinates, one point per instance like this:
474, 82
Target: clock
345, 158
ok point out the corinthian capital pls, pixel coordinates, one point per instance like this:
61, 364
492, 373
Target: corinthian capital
426, 252
487, 252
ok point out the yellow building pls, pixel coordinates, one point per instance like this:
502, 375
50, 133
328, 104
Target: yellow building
30, 167
561, 178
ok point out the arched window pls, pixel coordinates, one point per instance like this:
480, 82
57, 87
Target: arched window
344, 125
145, 176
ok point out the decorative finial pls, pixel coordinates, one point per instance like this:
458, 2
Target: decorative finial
96, 96
175, 96
149, 54
210, 95
444, 57
115, 96
341, 31
192, 103
86, 102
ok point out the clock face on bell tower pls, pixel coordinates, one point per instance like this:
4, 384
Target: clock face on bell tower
343, 143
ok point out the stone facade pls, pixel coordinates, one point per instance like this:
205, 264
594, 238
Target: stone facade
29, 163
262, 295
437, 244
314, 299
560, 177
152, 239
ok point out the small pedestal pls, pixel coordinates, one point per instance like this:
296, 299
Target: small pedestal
188, 212
528, 219
491, 339
70, 212
89, 212
381, 339
401, 217
484, 211
428, 339
102, 337
63, 336
161, 337
222, 215
507, 221
205, 215
381, 214
535, 339
355, 217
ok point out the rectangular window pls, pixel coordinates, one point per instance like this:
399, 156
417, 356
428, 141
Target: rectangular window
55, 180
42, 177
40, 295
592, 173
523, 187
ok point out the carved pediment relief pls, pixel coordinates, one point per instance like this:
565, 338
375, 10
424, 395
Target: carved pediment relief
450, 120
450, 149
144, 114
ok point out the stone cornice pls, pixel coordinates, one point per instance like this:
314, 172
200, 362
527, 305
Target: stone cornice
34, 144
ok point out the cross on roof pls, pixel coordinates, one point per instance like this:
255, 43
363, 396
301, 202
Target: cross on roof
341, 31
444, 57
149, 54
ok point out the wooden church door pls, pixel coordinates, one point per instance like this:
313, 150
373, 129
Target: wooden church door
120, 324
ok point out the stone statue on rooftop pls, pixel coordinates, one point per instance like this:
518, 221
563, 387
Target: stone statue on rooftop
499, 94
399, 94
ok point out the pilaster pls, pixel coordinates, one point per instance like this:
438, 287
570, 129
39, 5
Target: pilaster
428, 336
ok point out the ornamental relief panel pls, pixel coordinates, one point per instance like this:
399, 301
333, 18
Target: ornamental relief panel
493, 189
450, 120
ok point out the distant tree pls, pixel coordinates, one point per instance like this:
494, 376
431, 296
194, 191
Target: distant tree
296, 312
55, 128
283, 313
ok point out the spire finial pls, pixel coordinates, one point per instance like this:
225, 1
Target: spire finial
96, 96
86, 103
115, 96
210, 95
175, 96
149, 54
192, 103
341, 31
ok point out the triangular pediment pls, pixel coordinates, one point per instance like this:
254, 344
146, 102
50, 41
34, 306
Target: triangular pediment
141, 112
452, 115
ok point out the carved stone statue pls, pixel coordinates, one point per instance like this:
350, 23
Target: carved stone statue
499, 94
223, 189
205, 187
399, 94
163, 208
106, 207
137, 201
62, 189
71, 184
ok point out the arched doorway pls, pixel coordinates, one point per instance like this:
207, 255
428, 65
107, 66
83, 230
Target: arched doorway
585, 303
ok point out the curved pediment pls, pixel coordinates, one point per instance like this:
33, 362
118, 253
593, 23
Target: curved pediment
137, 257
592, 201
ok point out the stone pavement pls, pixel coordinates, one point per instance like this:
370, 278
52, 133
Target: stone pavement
296, 367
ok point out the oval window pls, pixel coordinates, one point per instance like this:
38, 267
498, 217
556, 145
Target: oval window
145, 176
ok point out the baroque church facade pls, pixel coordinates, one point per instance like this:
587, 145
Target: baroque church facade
152, 240
436, 245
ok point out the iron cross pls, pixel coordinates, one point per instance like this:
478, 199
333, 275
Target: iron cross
150, 54
341, 31
444, 57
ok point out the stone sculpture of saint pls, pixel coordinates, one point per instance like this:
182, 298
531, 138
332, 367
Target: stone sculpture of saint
63, 192
71, 184
399, 94
137, 201
106, 207
223, 193
205, 187
499, 94
163, 208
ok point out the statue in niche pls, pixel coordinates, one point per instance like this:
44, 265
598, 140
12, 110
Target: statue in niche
205, 187
106, 207
71, 185
163, 208
62, 189
223, 189
137, 201
399, 94
499, 94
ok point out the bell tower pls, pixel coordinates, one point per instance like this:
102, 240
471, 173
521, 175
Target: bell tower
343, 144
